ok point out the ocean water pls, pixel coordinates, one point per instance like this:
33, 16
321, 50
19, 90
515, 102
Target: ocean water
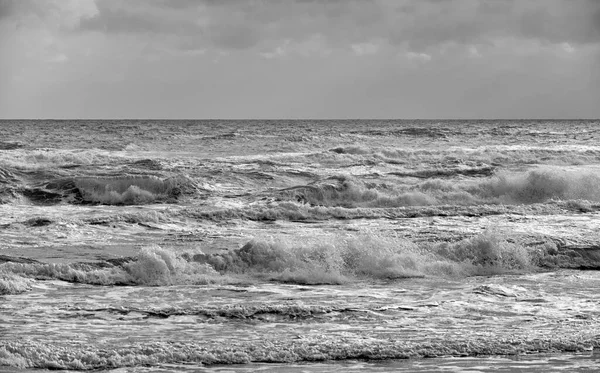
358, 245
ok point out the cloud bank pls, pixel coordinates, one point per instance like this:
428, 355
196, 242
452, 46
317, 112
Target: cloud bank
359, 43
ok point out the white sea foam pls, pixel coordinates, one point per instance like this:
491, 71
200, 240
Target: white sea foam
11, 283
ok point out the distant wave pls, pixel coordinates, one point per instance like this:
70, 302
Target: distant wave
490, 156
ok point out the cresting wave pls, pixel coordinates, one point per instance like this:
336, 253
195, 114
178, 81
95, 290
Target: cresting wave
51, 176
11, 283
537, 186
152, 266
132, 189
110, 190
333, 259
452, 177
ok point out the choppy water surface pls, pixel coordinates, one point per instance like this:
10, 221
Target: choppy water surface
140, 246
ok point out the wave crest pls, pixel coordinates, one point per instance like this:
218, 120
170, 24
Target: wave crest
325, 259
337, 259
153, 266
11, 283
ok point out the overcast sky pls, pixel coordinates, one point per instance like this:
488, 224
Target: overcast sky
299, 59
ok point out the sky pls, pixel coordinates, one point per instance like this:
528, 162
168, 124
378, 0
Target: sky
299, 59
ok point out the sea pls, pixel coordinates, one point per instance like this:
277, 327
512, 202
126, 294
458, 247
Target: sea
300, 245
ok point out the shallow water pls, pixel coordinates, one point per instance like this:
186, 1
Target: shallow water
307, 245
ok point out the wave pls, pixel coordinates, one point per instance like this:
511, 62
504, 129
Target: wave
537, 186
492, 155
447, 172
111, 190
44, 159
542, 185
304, 213
10, 145
430, 130
294, 311
329, 259
11, 283
31, 354
344, 191
51, 176
339, 259
129, 189
153, 266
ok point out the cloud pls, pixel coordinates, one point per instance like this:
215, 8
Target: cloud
59, 58
362, 49
6, 8
64, 14
422, 57
244, 24
350, 24
362, 57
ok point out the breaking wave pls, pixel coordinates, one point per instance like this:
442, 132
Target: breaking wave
537, 186
11, 283
115, 190
51, 176
339, 259
153, 266
77, 357
331, 259
541, 186
346, 192
128, 190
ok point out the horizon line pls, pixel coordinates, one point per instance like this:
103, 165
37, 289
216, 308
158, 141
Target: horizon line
293, 119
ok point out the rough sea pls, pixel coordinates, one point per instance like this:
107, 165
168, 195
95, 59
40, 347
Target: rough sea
300, 246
